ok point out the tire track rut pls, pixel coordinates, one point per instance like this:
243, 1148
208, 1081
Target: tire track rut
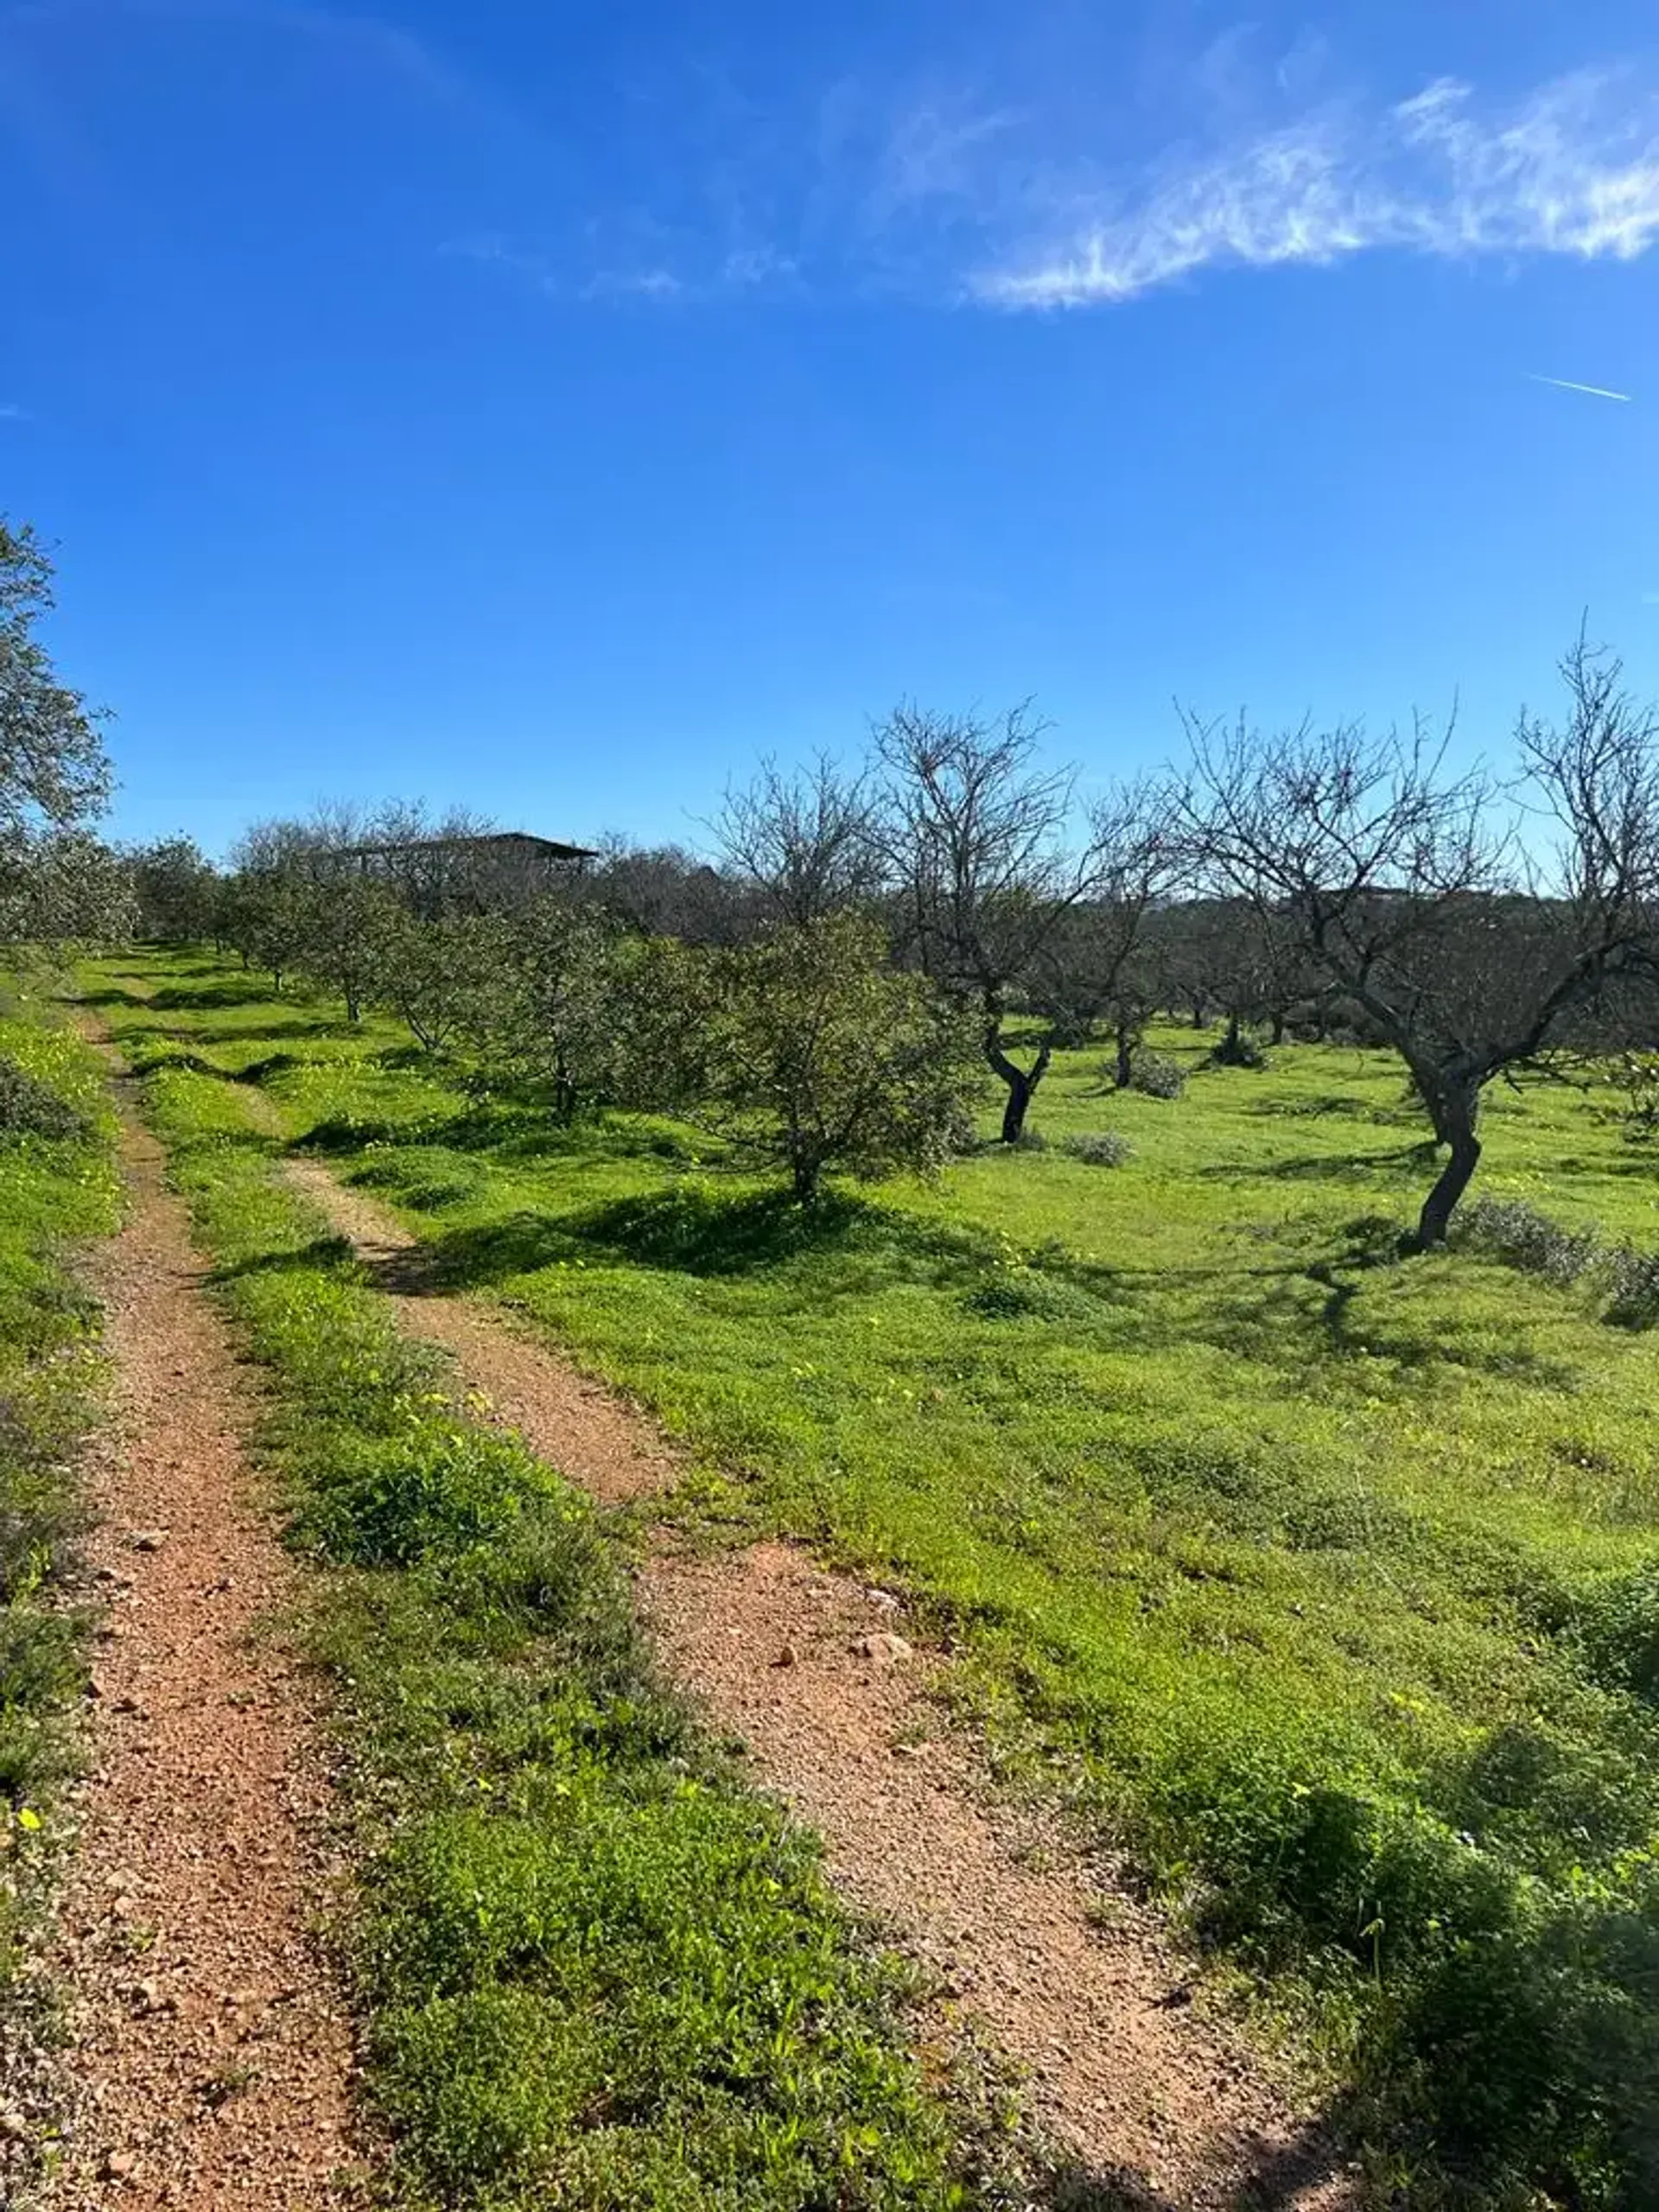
211, 2045
1163, 2106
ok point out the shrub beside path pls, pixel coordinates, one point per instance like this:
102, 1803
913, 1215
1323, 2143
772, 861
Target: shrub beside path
211, 2046
1155, 2101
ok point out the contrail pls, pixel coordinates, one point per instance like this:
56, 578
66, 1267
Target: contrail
1595, 390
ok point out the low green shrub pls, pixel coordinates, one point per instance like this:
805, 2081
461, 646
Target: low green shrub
1519, 1233
1239, 1049
1104, 1149
1636, 1288
30, 1108
1157, 1075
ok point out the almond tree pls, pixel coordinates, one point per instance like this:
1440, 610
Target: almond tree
977, 838
803, 846
1473, 920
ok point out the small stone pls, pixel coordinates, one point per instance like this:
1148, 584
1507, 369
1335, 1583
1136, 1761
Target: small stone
886, 1647
120, 2165
788, 1656
884, 1598
148, 1539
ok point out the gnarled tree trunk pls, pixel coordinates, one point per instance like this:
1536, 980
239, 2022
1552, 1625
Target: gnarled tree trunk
1021, 1082
1454, 1109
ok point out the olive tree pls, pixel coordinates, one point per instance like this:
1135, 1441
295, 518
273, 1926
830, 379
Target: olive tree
553, 1016
1472, 918
56, 880
175, 890
821, 1056
659, 891
441, 976
266, 903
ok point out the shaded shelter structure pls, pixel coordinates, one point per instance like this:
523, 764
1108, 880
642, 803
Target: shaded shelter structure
490, 872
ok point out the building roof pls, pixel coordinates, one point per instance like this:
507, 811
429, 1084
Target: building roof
550, 846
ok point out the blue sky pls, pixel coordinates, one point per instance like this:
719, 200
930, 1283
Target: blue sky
555, 406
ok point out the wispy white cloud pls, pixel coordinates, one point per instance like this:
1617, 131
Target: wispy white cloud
491, 250
657, 282
11, 413
1572, 169
739, 269
1591, 391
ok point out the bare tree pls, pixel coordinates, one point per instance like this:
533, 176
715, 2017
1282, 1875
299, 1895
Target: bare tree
1426, 896
804, 844
975, 833
1093, 967
663, 891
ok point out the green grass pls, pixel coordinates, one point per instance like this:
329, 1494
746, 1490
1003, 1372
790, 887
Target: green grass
1324, 1584
58, 1186
595, 1969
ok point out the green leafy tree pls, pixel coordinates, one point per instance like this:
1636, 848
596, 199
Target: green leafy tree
554, 1016
822, 1057
265, 915
55, 879
175, 890
345, 921
441, 976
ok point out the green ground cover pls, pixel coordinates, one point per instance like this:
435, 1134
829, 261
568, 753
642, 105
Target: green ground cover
58, 1186
595, 1969
1327, 1584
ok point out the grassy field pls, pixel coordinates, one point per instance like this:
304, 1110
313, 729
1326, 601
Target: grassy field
57, 1186
1326, 1585
593, 1966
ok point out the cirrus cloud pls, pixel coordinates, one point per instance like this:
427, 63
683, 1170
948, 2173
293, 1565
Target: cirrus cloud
1571, 170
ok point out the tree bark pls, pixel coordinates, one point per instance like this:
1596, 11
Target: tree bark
1278, 1019
1454, 1124
1125, 1071
1021, 1082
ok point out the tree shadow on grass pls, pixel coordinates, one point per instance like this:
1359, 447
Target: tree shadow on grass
696, 1233
201, 998
330, 1252
1396, 1165
114, 995
295, 1025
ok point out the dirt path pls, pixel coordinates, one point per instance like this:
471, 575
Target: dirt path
815, 1673
211, 2045
578, 1427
